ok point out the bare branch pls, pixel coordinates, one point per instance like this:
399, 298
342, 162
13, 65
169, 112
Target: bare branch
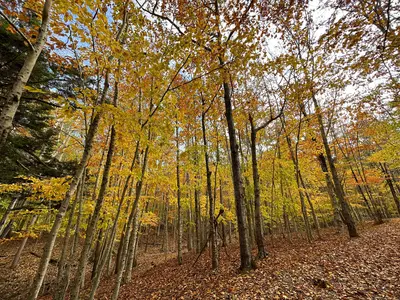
272, 118
170, 21
199, 76
168, 89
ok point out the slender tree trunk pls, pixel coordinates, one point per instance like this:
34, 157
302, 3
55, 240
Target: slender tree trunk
107, 253
336, 212
22, 246
131, 234
246, 262
389, 182
285, 214
313, 214
189, 227
346, 210
294, 157
224, 242
259, 235
213, 240
107, 257
7, 212
197, 218
62, 277
14, 95
48, 248
178, 192
119, 251
79, 217
97, 254
123, 258
93, 220
374, 212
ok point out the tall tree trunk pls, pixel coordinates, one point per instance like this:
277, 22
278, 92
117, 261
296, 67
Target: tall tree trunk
248, 197
197, 218
105, 258
48, 248
246, 262
259, 235
189, 227
313, 214
346, 211
14, 95
62, 276
374, 212
336, 212
79, 217
294, 157
224, 243
97, 253
212, 237
124, 242
91, 229
131, 234
389, 182
178, 194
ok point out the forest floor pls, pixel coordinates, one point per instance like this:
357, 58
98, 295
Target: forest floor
334, 267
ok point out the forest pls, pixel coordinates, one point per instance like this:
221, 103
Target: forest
199, 149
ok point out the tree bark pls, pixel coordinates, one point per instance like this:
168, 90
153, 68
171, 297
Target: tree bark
389, 182
259, 235
22, 246
294, 157
336, 212
212, 237
346, 212
131, 234
48, 248
246, 262
14, 95
94, 219
178, 193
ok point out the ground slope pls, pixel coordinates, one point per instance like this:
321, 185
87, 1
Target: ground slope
333, 268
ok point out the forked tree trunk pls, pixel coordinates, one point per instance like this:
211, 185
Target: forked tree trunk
128, 246
107, 253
